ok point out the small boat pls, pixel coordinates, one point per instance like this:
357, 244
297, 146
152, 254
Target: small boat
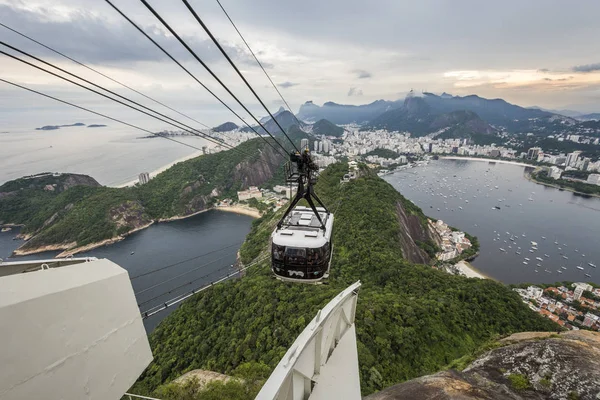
546, 255
565, 257
544, 237
496, 208
559, 271
539, 258
526, 258
592, 265
564, 268
537, 270
501, 249
132, 253
555, 242
525, 262
517, 252
534, 244
580, 267
531, 251
460, 208
588, 275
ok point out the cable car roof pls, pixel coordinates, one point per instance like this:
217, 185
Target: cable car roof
302, 229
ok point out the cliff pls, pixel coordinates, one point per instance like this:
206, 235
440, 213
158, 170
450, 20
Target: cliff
526, 366
73, 212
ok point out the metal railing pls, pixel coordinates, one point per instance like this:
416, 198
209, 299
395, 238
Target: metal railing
131, 396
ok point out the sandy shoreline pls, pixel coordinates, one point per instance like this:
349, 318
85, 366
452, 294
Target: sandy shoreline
252, 212
486, 160
469, 270
161, 169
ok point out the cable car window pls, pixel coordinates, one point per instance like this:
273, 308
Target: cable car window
295, 255
278, 252
315, 256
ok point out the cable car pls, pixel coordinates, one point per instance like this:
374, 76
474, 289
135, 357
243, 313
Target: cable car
301, 245
301, 249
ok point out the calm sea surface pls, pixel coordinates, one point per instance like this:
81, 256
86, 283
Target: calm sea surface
165, 244
464, 194
112, 155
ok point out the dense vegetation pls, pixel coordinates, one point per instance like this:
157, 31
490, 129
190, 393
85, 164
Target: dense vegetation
411, 319
86, 214
383, 153
581, 187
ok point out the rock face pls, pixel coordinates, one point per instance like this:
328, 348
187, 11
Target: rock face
412, 231
528, 366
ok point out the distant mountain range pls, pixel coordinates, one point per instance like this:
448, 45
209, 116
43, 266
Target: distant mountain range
445, 115
346, 114
455, 116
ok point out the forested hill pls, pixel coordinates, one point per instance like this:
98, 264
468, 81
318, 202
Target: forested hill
411, 319
76, 211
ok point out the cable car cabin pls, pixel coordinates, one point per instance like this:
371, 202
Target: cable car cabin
301, 250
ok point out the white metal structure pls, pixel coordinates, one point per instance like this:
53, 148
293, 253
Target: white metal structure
69, 332
322, 363
301, 249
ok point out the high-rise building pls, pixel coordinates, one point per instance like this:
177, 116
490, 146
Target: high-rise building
594, 179
555, 172
532, 153
572, 159
303, 144
316, 145
144, 178
325, 146
320, 146
578, 292
430, 147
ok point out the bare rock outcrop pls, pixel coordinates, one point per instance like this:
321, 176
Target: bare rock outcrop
529, 366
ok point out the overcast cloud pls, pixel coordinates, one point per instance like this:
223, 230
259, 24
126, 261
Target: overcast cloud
538, 52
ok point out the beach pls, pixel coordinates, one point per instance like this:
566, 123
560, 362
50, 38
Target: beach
469, 270
239, 209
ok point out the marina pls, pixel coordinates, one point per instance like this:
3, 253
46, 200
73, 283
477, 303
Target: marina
547, 227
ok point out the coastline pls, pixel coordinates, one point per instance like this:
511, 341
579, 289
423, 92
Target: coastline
68, 249
470, 271
486, 160
161, 169
568, 189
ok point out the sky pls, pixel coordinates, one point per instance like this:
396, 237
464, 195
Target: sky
532, 53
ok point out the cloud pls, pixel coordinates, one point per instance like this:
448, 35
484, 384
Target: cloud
287, 84
362, 74
355, 92
543, 70
587, 68
101, 41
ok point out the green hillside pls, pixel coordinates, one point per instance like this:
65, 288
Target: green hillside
327, 128
85, 213
411, 319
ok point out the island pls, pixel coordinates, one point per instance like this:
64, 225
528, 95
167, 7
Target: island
55, 127
96, 126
